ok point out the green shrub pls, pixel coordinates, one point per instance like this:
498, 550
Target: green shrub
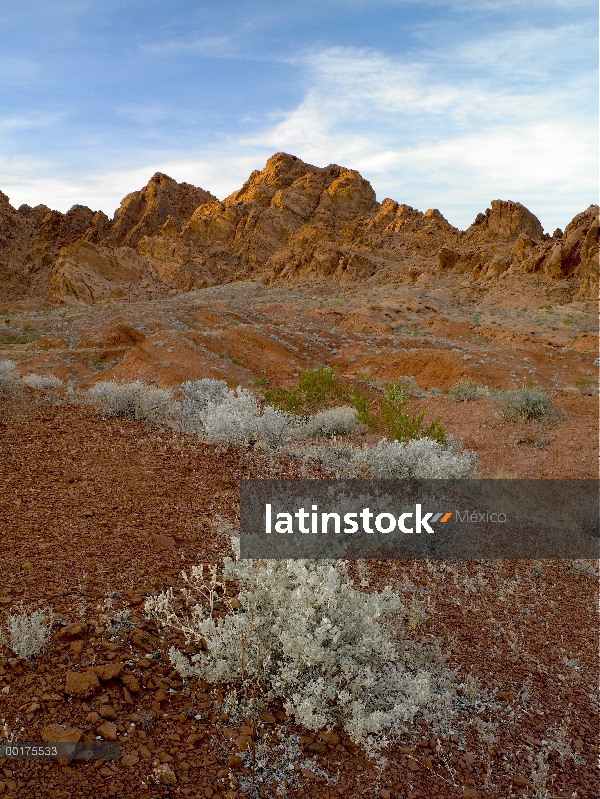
400, 426
316, 391
587, 385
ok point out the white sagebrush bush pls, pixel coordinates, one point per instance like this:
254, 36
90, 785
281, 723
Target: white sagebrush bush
190, 418
205, 391
9, 378
339, 421
42, 382
302, 633
422, 459
134, 401
237, 420
28, 633
272, 427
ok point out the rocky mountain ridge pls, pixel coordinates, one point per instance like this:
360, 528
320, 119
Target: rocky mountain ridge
288, 223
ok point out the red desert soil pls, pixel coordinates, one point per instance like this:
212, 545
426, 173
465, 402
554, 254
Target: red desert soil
97, 514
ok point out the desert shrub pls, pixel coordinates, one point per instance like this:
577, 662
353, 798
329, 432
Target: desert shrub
422, 459
190, 417
334, 421
402, 426
316, 391
465, 391
300, 632
237, 420
587, 385
134, 401
28, 633
205, 391
41, 382
272, 427
530, 403
9, 378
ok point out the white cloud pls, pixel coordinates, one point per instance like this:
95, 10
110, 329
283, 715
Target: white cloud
424, 137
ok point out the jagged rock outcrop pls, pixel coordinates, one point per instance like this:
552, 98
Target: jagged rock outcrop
161, 201
85, 273
505, 221
289, 222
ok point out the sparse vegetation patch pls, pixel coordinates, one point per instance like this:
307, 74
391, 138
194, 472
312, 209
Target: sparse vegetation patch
530, 403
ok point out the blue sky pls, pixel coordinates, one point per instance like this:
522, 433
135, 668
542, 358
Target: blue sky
438, 104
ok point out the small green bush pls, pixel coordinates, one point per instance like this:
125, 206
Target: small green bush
400, 426
316, 391
587, 385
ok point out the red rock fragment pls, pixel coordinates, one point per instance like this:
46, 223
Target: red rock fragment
107, 712
163, 541
243, 742
144, 641
330, 737
130, 759
56, 733
81, 684
72, 631
110, 671
522, 782
131, 683
108, 731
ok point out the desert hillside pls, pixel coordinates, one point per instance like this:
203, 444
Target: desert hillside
288, 223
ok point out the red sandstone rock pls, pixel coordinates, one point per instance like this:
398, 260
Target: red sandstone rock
81, 684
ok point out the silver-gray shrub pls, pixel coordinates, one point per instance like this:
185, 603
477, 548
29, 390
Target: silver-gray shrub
237, 419
530, 403
9, 378
28, 633
299, 631
198, 395
205, 391
190, 418
339, 421
136, 401
42, 382
421, 459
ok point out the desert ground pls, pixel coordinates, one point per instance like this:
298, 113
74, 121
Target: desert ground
100, 512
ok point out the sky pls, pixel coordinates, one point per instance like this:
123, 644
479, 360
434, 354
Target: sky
438, 104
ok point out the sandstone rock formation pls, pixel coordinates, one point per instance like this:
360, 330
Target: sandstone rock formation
289, 222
